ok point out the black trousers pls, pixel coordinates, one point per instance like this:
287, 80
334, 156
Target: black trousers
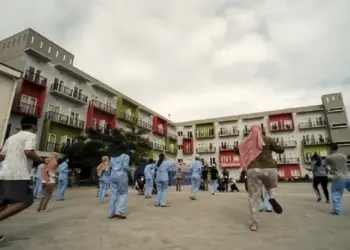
323, 180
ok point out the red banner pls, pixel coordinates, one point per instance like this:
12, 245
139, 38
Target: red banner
229, 160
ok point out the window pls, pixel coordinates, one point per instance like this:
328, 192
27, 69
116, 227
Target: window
212, 161
33, 38
57, 53
8, 44
54, 108
327, 99
64, 57
24, 37
51, 141
334, 110
3, 47
74, 115
41, 44
179, 133
93, 97
14, 41
70, 61
19, 39
179, 147
49, 50
28, 104
333, 98
339, 125
180, 160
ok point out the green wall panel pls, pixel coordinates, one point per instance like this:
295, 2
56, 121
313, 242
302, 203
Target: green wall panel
311, 149
205, 127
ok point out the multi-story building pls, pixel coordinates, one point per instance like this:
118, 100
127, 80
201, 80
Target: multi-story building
301, 131
70, 102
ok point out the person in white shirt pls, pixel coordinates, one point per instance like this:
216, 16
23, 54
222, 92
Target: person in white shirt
16, 192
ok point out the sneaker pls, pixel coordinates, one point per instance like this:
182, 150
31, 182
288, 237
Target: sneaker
319, 199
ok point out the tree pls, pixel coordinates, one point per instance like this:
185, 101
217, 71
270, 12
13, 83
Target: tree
86, 151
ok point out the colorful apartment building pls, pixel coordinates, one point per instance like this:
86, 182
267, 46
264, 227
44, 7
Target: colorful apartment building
301, 131
70, 102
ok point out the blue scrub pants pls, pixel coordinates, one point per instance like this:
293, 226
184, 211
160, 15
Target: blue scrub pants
149, 187
61, 188
119, 193
38, 187
102, 190
337, 190
214, 186
162, 192
266, 204
196, 182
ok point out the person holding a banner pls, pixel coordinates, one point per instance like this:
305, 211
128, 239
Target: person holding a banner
255, 153
196, 171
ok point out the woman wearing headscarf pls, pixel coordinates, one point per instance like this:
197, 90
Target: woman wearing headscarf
103, 175
162, 180
62, 172
119, 169
255, 153
48, 178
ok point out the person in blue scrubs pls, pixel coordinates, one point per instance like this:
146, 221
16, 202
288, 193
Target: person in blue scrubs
62, 171
149, 176
103, 174
196, 171
119, 167
162, 180
38, 182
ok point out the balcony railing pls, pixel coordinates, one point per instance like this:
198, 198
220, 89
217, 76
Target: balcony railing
227, 147
171, 150
280, 128
55, 147
101, 130
287, 144
206, 150
158, 146
246, 131
201, 135
187, 150
144, 124
27, 109
69, 93
35, 78
292, 160
172, 135
187, 137
225, 133
146, 142
313, 125
103, 107
65, 119
316, 141
128, 117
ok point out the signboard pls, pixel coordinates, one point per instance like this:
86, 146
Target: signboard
229, 160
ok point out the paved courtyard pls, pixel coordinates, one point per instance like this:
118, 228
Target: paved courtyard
212, 222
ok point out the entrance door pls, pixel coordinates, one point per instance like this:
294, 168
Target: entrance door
51, 143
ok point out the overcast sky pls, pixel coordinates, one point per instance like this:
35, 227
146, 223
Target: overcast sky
201, 58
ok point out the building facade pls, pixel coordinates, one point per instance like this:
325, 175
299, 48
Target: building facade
70, 102
301, 131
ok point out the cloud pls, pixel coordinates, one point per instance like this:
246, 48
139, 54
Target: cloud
201, 58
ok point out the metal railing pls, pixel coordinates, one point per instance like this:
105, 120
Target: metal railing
316, 141
286, 144
34, 77
228, 132
292, 160
158, 146
27, 109
144, 124
276, 128
314, 124
206, 150
65, 119
103, 106
56, 87
227, 147
204, 135
128, 117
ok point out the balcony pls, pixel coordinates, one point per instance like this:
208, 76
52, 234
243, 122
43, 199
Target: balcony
68, 93
205, 135
172, 135
103, 107
171, 151
146, 142
206, 150
292, 160
227, 148
228, 132
316, 141
187, 150
27, 109
55, 147
187, 137
246, 131
65, 120
158, 146
287, 144
313, 124
35, 78
281, 127
127, 117
101, 130
160, 131
144, 124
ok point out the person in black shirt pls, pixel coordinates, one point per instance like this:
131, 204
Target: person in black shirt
213, 179
205, 178
225, 174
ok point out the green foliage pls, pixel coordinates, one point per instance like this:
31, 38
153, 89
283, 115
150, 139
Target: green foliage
87, 151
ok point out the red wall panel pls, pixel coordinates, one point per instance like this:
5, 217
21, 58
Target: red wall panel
33, 90
286, 171
187, 144
227, 159
282, 120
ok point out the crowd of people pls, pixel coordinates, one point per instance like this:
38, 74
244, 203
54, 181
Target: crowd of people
255, 153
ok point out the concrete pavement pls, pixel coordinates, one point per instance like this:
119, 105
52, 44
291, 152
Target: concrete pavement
212, 222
